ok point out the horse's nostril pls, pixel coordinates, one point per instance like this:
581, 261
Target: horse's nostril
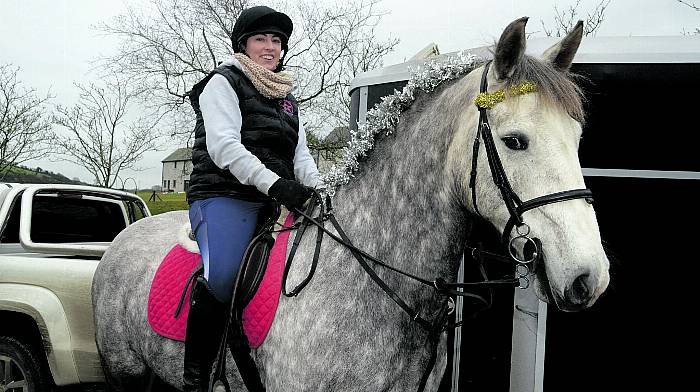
579, 292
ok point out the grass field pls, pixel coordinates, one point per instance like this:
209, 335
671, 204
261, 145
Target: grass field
164, 202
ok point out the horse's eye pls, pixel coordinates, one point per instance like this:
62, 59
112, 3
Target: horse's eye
515, 142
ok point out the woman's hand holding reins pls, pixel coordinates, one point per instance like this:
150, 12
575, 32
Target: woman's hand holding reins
290, 193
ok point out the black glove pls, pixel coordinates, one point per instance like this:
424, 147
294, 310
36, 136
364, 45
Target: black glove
290, 193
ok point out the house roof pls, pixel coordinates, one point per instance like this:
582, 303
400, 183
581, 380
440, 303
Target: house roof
181, 154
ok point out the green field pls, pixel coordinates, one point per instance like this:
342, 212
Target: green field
164, 202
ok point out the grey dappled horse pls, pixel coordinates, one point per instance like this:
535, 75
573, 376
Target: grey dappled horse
409, 204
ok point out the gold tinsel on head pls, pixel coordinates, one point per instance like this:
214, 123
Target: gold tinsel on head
489, 100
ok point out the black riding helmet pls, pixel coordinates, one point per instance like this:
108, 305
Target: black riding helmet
260, 20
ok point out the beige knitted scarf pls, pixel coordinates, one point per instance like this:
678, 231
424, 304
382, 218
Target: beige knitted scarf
269, 84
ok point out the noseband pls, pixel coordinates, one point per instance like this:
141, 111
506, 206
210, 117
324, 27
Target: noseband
515, 206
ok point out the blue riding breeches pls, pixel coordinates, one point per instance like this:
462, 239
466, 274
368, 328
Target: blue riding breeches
223, 227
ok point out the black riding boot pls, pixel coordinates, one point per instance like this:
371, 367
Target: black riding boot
205, 327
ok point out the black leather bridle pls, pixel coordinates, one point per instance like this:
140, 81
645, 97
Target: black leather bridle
515, 206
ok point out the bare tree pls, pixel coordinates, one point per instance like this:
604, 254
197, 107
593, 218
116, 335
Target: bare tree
102, 136
168, 45
689, 4
694, 7
340, 45
564, 21
336, 46
25, 127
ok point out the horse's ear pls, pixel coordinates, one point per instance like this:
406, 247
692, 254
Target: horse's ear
561, 54
510, 49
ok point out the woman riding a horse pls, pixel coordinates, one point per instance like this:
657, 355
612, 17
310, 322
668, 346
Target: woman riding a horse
250, 146
465, 141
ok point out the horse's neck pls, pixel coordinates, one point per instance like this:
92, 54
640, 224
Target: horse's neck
400, 209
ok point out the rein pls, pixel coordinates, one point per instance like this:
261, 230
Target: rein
434, 329
361, 256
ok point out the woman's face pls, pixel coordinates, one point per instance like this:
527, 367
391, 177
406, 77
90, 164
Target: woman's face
264, 49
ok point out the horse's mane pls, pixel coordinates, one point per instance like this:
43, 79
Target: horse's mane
554, 86
383, 118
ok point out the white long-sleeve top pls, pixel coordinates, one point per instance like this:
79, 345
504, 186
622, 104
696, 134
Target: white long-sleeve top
222, 120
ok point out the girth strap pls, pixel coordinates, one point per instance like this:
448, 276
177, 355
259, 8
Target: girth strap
434, 340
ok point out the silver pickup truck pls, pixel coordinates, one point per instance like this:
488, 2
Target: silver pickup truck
51, 240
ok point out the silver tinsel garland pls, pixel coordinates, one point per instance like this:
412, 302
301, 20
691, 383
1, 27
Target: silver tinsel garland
385, 116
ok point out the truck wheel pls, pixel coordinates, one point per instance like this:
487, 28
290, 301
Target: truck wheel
20, 368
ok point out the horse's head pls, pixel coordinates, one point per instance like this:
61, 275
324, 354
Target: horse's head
536, 128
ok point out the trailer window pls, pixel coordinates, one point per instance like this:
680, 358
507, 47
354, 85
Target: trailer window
639, 116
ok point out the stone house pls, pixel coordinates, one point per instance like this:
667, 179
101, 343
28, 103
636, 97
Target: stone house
176, 170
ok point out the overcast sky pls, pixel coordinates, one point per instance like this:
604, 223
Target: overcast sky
53, 42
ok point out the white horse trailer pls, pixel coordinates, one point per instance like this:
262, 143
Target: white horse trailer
639, 155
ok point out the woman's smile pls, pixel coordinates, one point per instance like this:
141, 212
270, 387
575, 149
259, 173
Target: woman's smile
264, 49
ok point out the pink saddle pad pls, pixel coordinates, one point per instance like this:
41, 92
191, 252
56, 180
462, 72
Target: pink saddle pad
178, 265
166, 289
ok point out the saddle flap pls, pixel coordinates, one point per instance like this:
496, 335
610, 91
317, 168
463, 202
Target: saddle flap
253, 269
